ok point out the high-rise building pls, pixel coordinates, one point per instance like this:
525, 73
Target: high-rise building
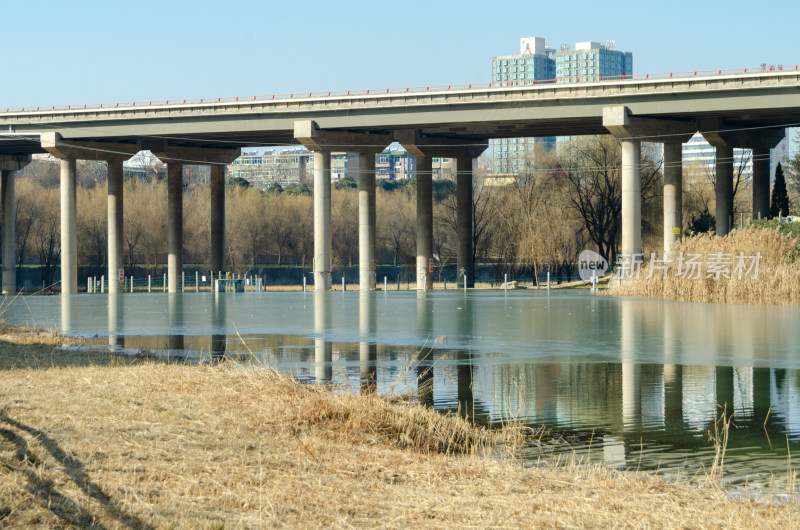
591, 61
533, 64
536, 63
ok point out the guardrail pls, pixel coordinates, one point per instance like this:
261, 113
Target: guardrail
407, 90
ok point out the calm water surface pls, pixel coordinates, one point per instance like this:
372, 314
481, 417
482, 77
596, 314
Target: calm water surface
630, 382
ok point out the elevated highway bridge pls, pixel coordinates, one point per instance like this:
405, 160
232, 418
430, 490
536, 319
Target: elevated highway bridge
743, 109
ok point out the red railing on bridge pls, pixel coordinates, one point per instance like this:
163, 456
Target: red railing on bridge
419, 89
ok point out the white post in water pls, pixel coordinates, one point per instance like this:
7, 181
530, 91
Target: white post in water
165, 282
343, 285
385, 284
548, 280
89, 284
183, 281
465, 284
304, 282
149, 283
131, 282
102, 284
197, 281
505, 283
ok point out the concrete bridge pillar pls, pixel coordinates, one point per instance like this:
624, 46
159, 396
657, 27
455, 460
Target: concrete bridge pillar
424, 222
724, 189
173, 155
760, 183
322, 142
761, 141
217, 259
322, 221
631, 197
9, 233
424, 147
366, 221
115, 225
9, 164
464, 221
69, 239
673, 190
175, 226
631, 131
69, 152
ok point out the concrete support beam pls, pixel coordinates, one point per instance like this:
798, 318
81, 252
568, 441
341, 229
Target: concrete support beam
217, 217
175, 226
424, 222
366, 221
322, 221
69, 239
464, 221
115, 225
715, 133
631, 197
315, 139
673, 191
760, 183
619, 121
13, 162
53, 143
724, 189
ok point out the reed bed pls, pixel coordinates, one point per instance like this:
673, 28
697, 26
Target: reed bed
127, 442
777, 281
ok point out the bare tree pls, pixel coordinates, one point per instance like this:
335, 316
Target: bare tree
591, 167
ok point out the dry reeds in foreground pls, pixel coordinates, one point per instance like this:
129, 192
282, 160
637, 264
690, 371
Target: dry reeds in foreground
151, 445
777, 282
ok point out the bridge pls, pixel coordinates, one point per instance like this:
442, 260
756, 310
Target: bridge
732, 109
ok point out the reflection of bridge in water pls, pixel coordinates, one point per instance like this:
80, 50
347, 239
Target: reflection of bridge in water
659, 370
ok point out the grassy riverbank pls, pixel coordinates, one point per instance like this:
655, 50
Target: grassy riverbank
94, 439
725, 271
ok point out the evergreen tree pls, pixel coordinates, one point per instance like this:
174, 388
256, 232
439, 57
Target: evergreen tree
780, 199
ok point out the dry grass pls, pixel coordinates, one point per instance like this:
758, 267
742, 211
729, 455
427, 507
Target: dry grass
778, 280
128, 442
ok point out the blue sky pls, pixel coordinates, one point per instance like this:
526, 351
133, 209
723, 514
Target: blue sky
57, 52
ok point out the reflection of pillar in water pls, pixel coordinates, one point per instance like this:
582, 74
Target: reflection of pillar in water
367, 349
613, 451
115, 320
219, 343
762, 390
724, 384
175, 310
425, 357
631, 374
673, 395
673, 372
66, 313
466, 397
323, 350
